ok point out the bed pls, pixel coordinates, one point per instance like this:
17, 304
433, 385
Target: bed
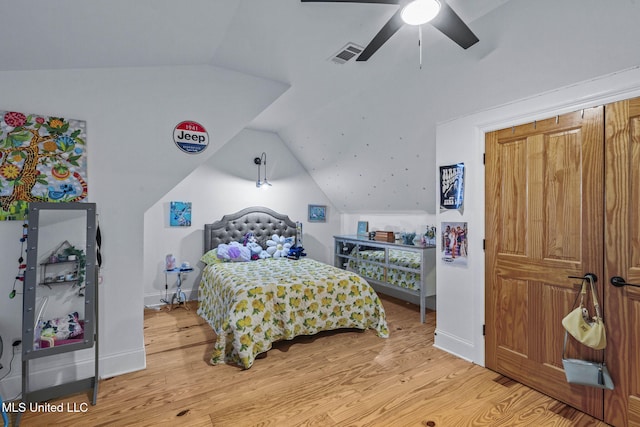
250, 305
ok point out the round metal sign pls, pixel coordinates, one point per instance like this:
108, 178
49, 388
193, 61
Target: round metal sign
191, 137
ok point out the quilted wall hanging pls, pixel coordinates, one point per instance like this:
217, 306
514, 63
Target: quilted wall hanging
42, 159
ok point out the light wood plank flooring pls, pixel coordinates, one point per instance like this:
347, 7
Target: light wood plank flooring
346, 378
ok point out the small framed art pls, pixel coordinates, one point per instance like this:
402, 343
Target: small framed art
363, 228
317, 213
180, 214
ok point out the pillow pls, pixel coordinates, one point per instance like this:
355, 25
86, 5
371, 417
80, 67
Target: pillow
62, 328
234, 251
211, 257
278, 246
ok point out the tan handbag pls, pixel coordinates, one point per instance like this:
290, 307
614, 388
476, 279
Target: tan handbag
587, 329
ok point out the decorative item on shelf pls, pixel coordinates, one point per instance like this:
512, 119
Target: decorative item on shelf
363, 228
79, 257
170, 262
385, 236
407, 238
430, 235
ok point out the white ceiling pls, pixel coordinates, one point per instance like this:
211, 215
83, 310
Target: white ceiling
364, 130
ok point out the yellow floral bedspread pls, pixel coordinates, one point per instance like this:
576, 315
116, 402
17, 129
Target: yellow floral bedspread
252, 304
404, 279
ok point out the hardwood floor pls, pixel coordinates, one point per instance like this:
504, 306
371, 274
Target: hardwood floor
347, 378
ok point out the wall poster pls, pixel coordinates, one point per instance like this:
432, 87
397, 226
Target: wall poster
452, 187
454, 243
180, 214
42, 159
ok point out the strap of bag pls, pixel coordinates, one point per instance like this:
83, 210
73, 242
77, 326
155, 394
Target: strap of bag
594, 295
581, 294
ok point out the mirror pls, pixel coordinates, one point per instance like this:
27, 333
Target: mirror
58, 307
372, 262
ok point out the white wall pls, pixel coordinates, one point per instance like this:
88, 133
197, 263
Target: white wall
226, 183
132, 162
388, 221
461, 290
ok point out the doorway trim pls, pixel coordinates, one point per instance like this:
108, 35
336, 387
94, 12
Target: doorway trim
461, 290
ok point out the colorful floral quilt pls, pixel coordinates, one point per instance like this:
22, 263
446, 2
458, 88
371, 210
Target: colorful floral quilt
394, 276
251, 305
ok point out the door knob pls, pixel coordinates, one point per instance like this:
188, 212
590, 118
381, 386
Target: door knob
619, 282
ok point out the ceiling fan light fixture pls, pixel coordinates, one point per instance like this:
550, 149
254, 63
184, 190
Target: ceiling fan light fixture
420, 12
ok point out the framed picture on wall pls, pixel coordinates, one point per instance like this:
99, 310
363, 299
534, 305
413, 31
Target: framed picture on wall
180, 214
317, 213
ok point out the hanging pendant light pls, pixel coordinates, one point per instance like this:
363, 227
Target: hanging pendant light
420, 12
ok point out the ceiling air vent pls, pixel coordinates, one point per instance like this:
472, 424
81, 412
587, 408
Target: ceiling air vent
349, 51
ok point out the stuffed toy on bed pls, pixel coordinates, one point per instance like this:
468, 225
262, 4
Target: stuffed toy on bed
234, 251
296, 252
278, 246
251, 242
257, 252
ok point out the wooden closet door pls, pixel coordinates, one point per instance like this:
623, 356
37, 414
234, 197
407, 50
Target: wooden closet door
622, 260
544, 223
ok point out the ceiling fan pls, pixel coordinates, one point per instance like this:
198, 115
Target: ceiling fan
436, 12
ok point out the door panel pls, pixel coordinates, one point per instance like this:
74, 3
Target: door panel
622, 240
544, 222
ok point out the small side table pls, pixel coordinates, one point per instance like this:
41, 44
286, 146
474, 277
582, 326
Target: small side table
179, 297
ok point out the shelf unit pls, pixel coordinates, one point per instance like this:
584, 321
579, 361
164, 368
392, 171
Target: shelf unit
347, 249
47, 266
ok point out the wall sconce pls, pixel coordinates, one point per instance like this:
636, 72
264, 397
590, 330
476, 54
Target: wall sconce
262, 161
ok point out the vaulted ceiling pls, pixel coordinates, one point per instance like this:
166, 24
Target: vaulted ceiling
365, 131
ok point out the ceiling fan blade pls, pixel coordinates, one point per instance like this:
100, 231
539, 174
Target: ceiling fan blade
450, 24
353, 1
393, 24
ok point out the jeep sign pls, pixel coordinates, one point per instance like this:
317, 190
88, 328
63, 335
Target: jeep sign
190, 137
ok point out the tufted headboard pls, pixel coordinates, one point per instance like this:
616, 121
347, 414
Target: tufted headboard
262, 222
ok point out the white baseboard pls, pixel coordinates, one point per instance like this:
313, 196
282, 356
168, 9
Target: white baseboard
155, 300
66, 369
454, 345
